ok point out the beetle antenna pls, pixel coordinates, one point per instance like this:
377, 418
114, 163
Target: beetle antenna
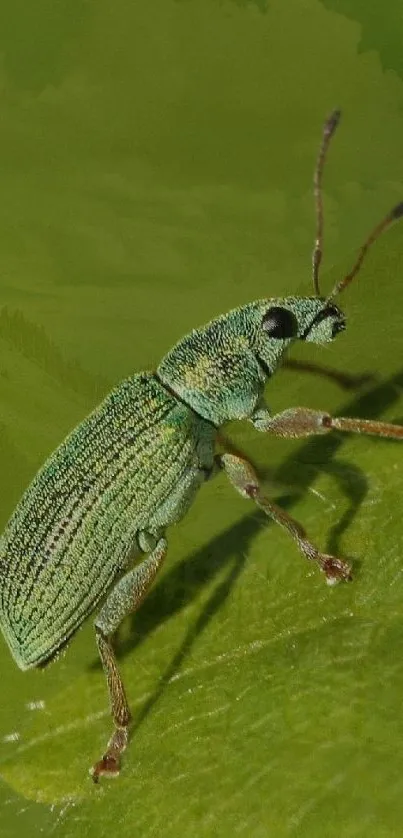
328, 131
393, 215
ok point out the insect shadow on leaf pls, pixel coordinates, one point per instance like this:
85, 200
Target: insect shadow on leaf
182, 584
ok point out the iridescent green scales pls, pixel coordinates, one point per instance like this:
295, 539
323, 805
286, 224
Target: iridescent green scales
130, 469
79, 520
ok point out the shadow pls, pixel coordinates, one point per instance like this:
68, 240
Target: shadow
345, 380
354, 485
215, 601
182, 584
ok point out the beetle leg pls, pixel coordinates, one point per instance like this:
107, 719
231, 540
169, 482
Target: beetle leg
244, 479
298, 422
124, 598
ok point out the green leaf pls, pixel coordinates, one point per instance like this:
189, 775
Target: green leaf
156, 170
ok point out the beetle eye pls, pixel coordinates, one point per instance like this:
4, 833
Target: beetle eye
280, 323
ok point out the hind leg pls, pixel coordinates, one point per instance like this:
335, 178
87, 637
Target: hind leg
124, 598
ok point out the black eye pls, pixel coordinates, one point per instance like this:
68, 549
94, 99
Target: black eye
280, 323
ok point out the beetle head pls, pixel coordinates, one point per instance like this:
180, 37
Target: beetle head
220, 369
279, 322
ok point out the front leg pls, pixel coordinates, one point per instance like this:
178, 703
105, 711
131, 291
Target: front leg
297, 422
246, 482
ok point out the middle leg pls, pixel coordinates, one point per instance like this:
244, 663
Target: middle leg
244, 478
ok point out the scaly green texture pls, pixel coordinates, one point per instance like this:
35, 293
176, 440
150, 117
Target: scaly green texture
131, 469
76, 524
220, 369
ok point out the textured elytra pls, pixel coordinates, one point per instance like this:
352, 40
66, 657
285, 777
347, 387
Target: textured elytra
78, 521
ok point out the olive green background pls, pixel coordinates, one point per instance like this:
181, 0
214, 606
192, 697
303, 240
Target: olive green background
156, 165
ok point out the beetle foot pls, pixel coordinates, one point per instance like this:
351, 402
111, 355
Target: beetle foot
335, 569
108, 766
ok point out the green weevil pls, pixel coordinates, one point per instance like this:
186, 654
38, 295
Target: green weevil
133, 467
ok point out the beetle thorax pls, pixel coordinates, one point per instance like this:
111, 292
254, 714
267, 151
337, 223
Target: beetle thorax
215, 370
220, 369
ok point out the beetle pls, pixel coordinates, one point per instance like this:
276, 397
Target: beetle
134, 465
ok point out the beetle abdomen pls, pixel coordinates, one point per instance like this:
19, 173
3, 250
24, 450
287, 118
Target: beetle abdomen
77, 521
